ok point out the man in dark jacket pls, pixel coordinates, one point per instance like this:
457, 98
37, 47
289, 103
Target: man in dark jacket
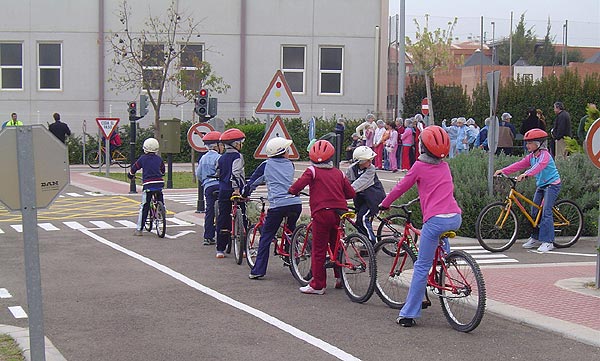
59, 129
562, 129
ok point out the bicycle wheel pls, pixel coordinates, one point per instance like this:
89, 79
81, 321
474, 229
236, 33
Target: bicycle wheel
394, 271
160, 219
239, 237
252, 240
359, 268
391, 226
568, 223
496, 230
150, 218
463, 294
120, 159
94, 159
300, 254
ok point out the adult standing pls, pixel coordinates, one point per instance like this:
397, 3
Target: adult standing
378, 143
59, 129
13, 122
562, 129
531, 122
366, 130
506, 135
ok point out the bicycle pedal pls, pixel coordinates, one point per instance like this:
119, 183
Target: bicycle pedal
425, 304
329, 264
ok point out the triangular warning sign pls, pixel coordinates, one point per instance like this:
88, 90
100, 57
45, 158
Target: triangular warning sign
278, 98
107, 125
277, 129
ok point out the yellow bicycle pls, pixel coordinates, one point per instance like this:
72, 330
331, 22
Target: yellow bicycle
497, 226
95, 159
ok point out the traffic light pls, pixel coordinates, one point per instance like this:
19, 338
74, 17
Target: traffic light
143, 105
202, 103
212, 107
132, 107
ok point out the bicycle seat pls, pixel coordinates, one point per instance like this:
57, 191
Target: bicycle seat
448, 234
236, 197
349, 214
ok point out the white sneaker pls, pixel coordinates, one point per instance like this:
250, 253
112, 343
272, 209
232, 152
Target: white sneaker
532, 243
309, 290
546, 247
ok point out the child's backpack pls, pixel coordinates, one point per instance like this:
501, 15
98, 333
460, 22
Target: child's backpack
115, 139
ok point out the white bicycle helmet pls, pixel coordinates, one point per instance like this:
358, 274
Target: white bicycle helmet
150, 145
277, 146
363, 153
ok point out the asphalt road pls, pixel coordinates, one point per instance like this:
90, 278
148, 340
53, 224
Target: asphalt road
111, 296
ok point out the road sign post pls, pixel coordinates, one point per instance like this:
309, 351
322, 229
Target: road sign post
592, 148
107, 127
493, 83
35, 170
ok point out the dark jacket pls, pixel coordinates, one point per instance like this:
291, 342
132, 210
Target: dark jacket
60, 130
562, 125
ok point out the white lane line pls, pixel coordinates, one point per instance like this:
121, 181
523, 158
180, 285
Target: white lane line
101, 224
17, 227
4, 293
126, 223
330, 349
48, 227
179, 222
18, 312
74, 225
480, 256
571, 254
506, 260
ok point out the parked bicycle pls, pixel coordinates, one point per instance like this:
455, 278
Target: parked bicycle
281, 245
95, 159
352, 254
157, 215
497, 226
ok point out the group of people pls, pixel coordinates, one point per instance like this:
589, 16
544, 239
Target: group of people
59, 129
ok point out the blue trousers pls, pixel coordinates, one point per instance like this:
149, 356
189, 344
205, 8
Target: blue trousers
269, 232
544, 232
430, 234
209, 206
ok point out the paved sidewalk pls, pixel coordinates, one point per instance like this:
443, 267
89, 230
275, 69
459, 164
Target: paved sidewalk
551, 297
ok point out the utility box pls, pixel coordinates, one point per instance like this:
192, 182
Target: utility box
170, 135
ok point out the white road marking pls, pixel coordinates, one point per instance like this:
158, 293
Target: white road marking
1, 231
126, 223
4, 293
564, 253
74, 194
181, 233
180, 222
506, 260
48, 227
94, 194
101, 224
330, 349
74, 225
18, 312
479, 256
17, 227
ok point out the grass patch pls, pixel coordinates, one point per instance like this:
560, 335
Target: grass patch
180, 179
9, 350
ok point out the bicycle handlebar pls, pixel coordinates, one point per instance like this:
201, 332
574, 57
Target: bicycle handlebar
404, 206
513, 180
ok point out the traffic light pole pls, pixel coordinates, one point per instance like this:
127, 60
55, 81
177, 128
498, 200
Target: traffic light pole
132, 140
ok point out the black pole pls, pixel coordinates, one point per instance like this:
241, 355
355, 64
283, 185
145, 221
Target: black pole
200, 206
338, 150
170, 171
132, 132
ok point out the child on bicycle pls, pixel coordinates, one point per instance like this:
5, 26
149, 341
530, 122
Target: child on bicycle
206, 173
369, 190
231, 181
440, 210
539, 164
278, 173
329, 189
153, 170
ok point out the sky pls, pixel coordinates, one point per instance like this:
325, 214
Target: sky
582, 16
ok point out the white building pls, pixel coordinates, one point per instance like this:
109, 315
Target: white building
55, 56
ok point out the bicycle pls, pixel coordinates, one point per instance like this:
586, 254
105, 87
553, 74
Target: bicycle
353, 254
282, 245
95, 159
497, 226
157, 215
400, 234
238, 229
455, 278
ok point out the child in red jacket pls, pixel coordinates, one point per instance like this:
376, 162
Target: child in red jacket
329, 190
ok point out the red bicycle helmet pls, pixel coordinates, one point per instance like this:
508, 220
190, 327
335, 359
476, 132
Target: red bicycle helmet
211, 137
436, 141
535, 134
321, 151
231, 135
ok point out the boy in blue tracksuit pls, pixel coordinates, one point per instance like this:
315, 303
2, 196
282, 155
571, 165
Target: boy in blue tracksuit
278, 173
206, 173
152, 179
231, 181
368, 188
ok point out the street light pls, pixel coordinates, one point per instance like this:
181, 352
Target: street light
493, 42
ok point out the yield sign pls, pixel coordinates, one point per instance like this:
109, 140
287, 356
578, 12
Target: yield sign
195, 134
277, 129
107, 125
278, 98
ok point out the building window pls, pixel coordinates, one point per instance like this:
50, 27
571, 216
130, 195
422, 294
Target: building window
331, 70
11, 66
190, 61
152, 66
50, 66
293, 60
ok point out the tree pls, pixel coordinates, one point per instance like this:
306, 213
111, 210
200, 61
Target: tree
161, 59
430, 51
523, 45
545, 55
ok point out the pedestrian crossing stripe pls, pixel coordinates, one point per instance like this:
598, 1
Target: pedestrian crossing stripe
122, 223
483, 256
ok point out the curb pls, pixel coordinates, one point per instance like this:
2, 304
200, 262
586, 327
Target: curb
21, 336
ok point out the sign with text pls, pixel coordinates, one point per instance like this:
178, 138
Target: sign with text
107, 125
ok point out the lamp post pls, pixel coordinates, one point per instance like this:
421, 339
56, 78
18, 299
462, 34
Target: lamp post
493, 43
